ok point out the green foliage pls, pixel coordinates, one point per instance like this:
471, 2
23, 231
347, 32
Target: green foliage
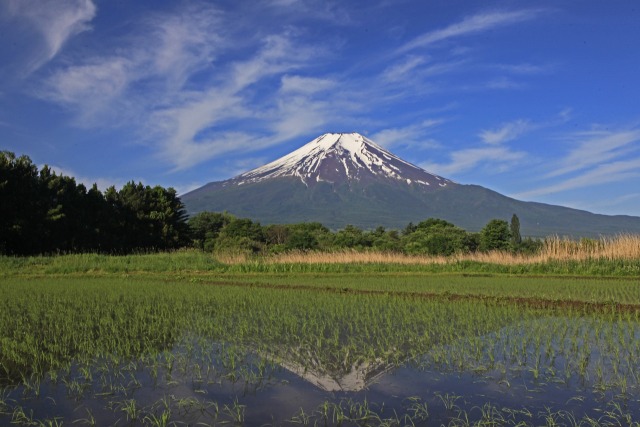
223, 231
352, 237
514, 227
495, 236
22, 210
434, 224
242, 234
437, 237
205, 228
529, 246
43, 212
388, 241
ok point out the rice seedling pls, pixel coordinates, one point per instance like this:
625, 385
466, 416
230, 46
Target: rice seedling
158, 349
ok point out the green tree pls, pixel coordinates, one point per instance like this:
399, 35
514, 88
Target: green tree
47, 212
205, 228
277, 235
151, 218
22, 211
516, 238
435, 236
241, 234
168, 216
410, 228
352, 237
434, 224
495, 236
70, 221
306, 236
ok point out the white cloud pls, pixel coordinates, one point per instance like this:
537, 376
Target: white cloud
602, 174
89, 87
148, 82
473, 24
178, 128
597, 157
146, 85
502, 83
494, 159
305, 85
507, 132
524, 68
298, 116
414, 135
186, 128
56, 21
596, 147
400, 70
182, 43
160, 57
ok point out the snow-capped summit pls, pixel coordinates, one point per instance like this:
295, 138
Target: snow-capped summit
338, 157
345, 178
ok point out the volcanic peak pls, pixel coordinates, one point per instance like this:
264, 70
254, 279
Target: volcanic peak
335, 157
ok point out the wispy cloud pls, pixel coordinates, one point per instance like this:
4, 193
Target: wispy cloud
305, 85
160, 58
470, 25
89, 88
597, 157
195, 89
596, 147
413, 135
524, 68
55, 20
494, 159
602, 174
184, 42
506, 132
401, 69
187, 128
494, 156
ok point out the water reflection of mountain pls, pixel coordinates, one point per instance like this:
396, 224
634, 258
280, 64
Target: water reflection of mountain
358, 378
352, 373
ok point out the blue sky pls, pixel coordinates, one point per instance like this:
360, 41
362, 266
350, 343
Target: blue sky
537, 100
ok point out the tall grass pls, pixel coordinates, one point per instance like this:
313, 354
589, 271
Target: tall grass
621, 247
608, 256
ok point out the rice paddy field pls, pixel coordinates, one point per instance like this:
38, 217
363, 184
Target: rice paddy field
187, 339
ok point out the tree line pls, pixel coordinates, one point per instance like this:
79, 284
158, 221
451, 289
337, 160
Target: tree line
214, 231
43, 213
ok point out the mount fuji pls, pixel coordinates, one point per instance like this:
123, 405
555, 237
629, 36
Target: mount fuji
345, 178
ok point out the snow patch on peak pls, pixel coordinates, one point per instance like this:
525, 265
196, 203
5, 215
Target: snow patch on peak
332, 155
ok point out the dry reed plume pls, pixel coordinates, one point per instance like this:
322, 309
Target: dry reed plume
621, 247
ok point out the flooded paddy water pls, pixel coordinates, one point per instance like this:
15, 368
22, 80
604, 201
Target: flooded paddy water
143, 354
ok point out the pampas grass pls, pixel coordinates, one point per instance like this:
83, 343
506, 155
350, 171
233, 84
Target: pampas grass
621, 247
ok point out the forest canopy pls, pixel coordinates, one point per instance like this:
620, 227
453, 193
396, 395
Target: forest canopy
43, 212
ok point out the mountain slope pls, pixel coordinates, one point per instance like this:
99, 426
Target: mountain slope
341, 179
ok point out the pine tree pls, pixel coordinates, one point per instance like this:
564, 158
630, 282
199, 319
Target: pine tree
516, 238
